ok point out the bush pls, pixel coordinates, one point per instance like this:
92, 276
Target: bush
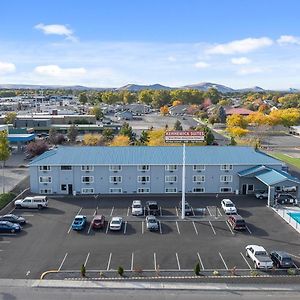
6, 198
197, 269
254, 273
291, 271
82, 270
216, 273
120, 271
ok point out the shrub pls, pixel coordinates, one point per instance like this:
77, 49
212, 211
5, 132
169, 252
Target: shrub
82, 270
6, 198
120, 271
216, 273
197, 269
291, 271
254, 273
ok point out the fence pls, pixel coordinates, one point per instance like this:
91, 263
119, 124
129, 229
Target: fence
283, 213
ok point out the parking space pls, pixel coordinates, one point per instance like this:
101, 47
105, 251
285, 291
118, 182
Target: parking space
48, 242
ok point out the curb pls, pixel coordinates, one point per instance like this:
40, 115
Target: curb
48, 272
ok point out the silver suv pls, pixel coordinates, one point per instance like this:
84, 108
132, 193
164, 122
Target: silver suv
152, 223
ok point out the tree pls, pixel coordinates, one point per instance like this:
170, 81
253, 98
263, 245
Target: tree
220, 114
286, 117
145, 96
37, 148
176, 102
126, 130
83, 99
108, 134
213, 94
232, 141
10, 117
120, 140
237, 131
129, 97
97, 112
92, 139
164, 110
72, 133
257, 118
236, 120
177, 125
160, 98
60, 138
209, 137
157, 137
144, 138
52, 136
4, 154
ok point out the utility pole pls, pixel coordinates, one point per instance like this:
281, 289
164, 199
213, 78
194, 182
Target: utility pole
183, 183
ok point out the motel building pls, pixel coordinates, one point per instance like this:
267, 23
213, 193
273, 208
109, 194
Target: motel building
158, 170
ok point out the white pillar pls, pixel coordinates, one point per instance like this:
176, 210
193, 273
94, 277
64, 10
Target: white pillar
183, 183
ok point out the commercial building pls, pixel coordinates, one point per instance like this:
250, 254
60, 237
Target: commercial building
156, 170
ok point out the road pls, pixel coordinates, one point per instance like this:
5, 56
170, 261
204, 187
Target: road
62, 293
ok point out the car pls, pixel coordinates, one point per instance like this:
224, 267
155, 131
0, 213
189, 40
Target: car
283, 198
259, 256
261, 194
79, 222
152, 208
115, 223
289, 189
228, 206
281, 259
98, 222
137, 208
32, 202
236, 222
6, 226
188, 209
13, 219
152, 223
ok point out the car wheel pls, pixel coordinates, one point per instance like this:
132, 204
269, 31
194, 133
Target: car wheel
39, 206
278, 265
18, 206
247, 255
255, 266
12, 231
261, 197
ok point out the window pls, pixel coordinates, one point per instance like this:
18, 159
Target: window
198, 167
143, 168
143, 178
171, 168
45, 179
45, 168
87, 191
171, 190
45, 191
115, 179
115, 190
143, 190
66, 168
225, 190
199, 190
226, 167
226, 178
115, 168
198, 178
170, 178
87, 179
87, 168
63, 187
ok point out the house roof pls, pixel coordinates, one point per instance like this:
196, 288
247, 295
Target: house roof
239, 111
208, 155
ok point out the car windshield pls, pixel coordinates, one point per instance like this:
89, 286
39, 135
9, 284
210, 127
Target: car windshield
152, 221
261, 253
240, 222
153, 206
78, 219
287, 260
116, 222
137, 206
229, 205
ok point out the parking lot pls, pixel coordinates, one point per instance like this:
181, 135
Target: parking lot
48, 242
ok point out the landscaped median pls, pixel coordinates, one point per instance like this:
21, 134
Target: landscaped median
6, 198
287, 159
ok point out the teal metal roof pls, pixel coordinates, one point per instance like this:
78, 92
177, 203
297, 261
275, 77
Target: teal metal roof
252, 171
271, 177
208, 155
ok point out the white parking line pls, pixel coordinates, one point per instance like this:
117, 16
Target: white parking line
248, 229
8, 234
60, 266
195, 227
26, 215
128, 210
229, 228
72, 221
107, 226
176, 209
294, 255
178, 263
90, 227
132, 258
4, 242
108, 263
143, 227
223, 261
144, 211
160, 230
219, 211
160, 211
154, 258
193, 212
208, 211
200, 261
87, 258
246, 260
125, 226
177, 227
112, 210
212, 227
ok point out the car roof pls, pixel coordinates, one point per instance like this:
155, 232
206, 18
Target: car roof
227, 201
136, 202
150, 217
98, 216
116, 218
256, 247
151, 202
237, 217
79, 216
282, 253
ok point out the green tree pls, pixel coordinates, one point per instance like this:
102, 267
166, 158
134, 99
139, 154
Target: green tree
52, 135
97, 112
72, 133
10, 117
145, 96
220, 114
108, 134
177, 125
110, 97
160, 98
232, 141
126, 130
83, 99
144, 138
128, 97
213, 94
4, 154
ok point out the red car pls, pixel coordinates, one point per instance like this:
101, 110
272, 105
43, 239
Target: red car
98, 222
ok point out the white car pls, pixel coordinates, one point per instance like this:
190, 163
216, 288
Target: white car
228, 206
115, 223
261, 194
137, 208
259, 256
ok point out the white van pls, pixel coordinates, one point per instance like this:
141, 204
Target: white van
32, 202
137, 208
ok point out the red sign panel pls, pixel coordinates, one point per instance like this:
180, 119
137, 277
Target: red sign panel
184, 136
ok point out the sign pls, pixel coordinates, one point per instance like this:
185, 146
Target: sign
184, 136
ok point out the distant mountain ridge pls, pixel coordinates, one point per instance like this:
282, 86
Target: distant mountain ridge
202, 86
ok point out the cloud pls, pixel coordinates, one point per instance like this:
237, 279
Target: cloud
248, 71
288, 39
6, 67
201, 65
240, 46
56, 71
56, 29
240, 61
172, 58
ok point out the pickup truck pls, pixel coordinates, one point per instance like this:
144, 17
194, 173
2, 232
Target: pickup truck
259, 256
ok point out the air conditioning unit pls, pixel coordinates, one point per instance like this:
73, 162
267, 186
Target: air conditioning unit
143, 182
45, 183
226, 171
171, 171
115, 183
198, 182
199, 171
171, 182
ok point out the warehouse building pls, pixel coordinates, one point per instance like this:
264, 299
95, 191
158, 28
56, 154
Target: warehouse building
156, 170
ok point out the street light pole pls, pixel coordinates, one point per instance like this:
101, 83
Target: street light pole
183, 183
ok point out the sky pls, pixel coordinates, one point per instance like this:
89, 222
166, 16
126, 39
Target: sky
110, 43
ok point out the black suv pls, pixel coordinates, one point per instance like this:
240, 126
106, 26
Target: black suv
152, 208
285, 199
281, 259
